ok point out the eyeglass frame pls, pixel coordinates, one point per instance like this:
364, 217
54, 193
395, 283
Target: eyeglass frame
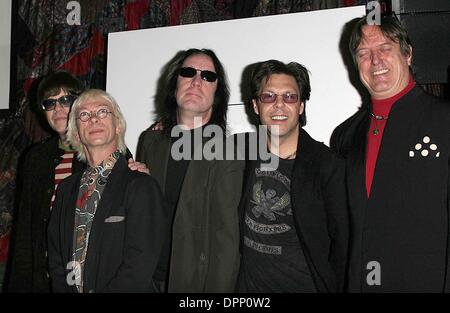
203, 73
90, 115
284, 95
56, 101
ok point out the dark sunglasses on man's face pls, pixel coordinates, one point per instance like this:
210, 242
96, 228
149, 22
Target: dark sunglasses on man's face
65, 101
190, 72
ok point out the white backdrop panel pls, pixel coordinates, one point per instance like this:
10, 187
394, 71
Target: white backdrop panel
5, 47
135, 60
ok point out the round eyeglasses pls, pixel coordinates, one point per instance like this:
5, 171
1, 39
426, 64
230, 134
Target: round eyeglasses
100, 114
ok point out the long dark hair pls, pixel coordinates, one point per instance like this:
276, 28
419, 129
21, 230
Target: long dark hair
54, 82
168, 110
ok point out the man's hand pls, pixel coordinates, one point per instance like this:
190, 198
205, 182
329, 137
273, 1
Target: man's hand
138, 166
158, 125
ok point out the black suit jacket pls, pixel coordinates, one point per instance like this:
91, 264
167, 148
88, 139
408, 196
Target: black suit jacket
36, 183
404, 225
319, 206
205, 231
125, 239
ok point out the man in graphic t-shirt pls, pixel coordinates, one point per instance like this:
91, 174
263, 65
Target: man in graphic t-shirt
293, 216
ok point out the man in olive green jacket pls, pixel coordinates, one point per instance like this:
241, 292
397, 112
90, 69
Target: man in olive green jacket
201, 195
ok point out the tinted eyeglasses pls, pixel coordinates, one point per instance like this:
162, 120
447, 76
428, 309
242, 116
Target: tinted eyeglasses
270, 97
65, 101
190, 72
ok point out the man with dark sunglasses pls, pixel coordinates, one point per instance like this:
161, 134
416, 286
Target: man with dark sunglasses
44, 166
201, 196
293, 218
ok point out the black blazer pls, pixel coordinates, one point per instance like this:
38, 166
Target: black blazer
404, 225
125, 239
319, 206
36, 183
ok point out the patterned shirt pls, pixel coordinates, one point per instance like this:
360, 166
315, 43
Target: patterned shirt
92, 184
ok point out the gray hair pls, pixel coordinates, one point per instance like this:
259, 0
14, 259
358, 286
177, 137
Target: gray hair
72, 128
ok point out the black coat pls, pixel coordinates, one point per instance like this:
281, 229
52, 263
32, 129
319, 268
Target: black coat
205, 231
319, 208
404, 224
36, 177
123, 251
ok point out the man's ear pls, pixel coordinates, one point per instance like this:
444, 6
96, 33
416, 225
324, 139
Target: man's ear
255, 107
302, 108
409, 59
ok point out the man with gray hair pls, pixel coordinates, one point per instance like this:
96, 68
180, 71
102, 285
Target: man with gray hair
107, 224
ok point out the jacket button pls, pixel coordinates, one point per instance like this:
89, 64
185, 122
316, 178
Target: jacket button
202, 257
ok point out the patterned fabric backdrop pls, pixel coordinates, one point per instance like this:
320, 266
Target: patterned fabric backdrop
47, 37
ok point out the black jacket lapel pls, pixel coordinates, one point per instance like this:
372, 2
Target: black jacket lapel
69, 219
161, 149
110, 193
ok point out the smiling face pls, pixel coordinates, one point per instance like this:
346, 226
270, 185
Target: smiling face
195, 97
57, 118
281, 114
383, 69
98, 133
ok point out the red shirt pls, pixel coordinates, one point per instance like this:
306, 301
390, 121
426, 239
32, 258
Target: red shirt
381, 108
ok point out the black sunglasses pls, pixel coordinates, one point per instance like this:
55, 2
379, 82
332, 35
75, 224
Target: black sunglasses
189, 72
66, 101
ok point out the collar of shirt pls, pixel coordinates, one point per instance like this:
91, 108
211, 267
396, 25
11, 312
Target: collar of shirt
382, 107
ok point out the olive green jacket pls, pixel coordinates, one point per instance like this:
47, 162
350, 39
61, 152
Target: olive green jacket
205, 231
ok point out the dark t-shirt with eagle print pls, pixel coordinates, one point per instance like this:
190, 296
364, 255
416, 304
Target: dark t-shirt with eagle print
272, 258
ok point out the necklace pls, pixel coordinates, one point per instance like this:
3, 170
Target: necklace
376, 131
293, 154
290, 155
